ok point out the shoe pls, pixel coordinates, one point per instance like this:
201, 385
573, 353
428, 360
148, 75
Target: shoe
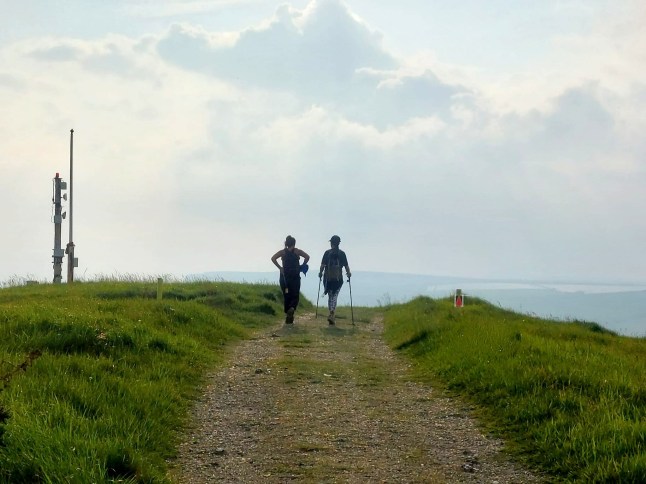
289, 319
330, 318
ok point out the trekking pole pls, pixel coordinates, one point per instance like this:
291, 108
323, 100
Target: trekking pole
351, 308
317, 299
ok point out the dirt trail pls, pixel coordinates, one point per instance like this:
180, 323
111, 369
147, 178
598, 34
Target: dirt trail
312, 403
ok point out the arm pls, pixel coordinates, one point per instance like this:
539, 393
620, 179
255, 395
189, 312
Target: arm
304, 255
275, 257
347, 266
322, 268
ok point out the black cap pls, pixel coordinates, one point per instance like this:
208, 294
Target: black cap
335, 239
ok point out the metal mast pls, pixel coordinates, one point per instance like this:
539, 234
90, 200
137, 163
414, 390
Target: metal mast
58, 255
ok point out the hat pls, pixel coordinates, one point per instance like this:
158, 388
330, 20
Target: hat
335, 239
304, 269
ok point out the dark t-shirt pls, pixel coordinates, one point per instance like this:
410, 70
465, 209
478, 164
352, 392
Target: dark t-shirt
291, 263
343, 260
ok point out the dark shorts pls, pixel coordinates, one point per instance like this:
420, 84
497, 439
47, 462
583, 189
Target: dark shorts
331, 286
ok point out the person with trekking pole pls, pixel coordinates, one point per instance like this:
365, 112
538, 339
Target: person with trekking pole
334, 259
290, 275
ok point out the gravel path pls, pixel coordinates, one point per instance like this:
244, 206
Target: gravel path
312, 403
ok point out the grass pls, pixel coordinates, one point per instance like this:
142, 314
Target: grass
96, 378
570, 398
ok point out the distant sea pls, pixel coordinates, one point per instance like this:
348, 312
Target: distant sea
618, 307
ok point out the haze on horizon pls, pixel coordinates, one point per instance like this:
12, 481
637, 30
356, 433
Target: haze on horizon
494, 139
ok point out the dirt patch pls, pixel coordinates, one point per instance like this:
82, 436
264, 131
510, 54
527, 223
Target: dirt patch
312, 403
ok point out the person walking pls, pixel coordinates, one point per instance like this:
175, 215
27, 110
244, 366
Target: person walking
334, 259
290, 275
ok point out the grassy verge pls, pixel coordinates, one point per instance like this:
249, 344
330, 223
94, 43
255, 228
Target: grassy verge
96, 378
569, 397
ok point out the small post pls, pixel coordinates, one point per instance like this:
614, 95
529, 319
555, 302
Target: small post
159, 288
458, 300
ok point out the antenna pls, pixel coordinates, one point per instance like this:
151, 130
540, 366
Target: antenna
59, 186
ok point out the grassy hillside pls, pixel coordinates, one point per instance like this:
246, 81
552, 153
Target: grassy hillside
570, 397
96, 378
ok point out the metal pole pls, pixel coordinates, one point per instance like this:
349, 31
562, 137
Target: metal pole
317, 299
351, 307
71, 182
70, 245
58, 219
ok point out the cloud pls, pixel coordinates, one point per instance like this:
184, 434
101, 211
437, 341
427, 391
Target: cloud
200, 150
321, 48
173, 8
433, 152
114, 55
57, 53
11, 82
324, 54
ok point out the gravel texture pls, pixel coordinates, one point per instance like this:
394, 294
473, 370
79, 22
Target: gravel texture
312, 403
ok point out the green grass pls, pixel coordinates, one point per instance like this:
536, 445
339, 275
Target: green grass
96, 379
570, 398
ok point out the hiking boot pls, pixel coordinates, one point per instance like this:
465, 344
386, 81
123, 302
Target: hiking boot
330, 318
289, 319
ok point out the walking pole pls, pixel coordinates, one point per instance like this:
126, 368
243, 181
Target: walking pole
317, 299
351, 308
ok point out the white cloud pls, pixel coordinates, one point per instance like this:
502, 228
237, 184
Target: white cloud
323, 52
146, 8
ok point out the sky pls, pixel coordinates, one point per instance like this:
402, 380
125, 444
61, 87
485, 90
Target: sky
493, 139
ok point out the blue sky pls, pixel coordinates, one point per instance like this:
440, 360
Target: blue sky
497, 139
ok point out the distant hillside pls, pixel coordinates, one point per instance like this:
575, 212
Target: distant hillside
621, 308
